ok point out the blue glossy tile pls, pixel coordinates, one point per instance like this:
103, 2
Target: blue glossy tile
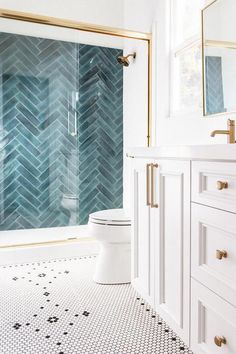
35, 118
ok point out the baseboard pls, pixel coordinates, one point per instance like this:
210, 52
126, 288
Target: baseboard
31, 253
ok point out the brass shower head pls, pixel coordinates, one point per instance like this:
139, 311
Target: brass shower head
124, 60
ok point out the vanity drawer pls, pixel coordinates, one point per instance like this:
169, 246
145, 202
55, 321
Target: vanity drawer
213, 250
214, 184
213, 319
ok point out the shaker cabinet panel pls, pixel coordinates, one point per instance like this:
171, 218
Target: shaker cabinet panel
161, 238
213, 322
214, 250
214, 184
172, 236
142, 238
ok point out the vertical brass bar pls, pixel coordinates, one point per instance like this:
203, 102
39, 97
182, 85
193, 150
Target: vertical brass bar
149, 125
153, 204
148, 183
203, 65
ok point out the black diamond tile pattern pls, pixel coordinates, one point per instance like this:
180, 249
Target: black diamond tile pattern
81, 317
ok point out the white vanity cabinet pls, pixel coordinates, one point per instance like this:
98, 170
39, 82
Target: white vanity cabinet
161, 238
142, 262
213, 257
184, 241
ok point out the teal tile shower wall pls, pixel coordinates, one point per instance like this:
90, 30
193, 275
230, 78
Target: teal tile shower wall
40, 160
214, 85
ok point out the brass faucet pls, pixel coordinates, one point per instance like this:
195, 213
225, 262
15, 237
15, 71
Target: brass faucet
230, 132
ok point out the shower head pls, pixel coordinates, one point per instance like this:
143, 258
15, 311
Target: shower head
124, 60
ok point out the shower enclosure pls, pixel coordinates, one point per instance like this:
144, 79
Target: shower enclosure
62, 125
61, 131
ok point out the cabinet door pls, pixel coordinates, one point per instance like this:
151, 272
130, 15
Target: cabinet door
213, 319
142, 237
213, 260
172, 245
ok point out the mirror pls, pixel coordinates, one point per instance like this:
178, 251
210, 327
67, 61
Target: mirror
219, 57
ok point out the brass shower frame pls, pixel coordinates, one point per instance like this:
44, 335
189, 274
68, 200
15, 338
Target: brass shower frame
86, 27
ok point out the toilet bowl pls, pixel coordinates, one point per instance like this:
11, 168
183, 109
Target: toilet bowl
70, 203
112, 229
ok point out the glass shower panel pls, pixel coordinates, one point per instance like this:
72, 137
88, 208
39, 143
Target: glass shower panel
100, 130
38, 131
61, 125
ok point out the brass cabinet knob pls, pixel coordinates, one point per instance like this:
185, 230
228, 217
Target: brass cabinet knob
222, 185
221, 254
219, 341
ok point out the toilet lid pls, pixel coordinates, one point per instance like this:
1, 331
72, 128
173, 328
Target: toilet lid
111, 216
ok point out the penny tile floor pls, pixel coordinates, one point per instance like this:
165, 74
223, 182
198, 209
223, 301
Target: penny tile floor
54, 307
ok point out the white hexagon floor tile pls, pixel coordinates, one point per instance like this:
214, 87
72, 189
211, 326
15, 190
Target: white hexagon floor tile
54, 307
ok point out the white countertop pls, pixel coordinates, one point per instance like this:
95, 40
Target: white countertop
226, 152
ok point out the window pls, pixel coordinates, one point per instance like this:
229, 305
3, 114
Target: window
185, 85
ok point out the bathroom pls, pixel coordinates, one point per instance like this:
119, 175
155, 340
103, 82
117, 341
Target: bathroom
118, 177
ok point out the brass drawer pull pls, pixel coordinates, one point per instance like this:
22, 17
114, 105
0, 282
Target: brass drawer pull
219, 341
153, 204
221, 254
222, 185
148, 184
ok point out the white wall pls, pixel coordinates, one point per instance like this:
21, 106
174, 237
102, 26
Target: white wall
169, 131
219, 14
139, 14
103, 12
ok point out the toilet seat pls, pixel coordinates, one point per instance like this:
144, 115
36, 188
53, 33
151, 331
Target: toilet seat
111, 217
70, 196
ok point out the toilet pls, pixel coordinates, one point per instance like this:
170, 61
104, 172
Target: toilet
112, 229
70, 203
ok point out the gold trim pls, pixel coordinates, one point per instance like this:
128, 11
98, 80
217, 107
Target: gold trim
153, 204
54, 242
82, 26
208, 5
203, 62
148, 203
106, 30
219, 44
149, 126
205, 114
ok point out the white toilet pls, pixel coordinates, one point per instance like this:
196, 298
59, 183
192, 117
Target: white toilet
112, 228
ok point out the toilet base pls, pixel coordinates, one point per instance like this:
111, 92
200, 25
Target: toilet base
113, 264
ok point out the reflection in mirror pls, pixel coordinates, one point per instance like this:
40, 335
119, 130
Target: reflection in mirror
219, 57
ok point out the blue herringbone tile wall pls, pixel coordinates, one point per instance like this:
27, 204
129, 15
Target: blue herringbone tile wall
100, 130
40, 160
214, 85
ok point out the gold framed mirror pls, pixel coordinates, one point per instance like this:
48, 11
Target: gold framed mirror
219, 57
